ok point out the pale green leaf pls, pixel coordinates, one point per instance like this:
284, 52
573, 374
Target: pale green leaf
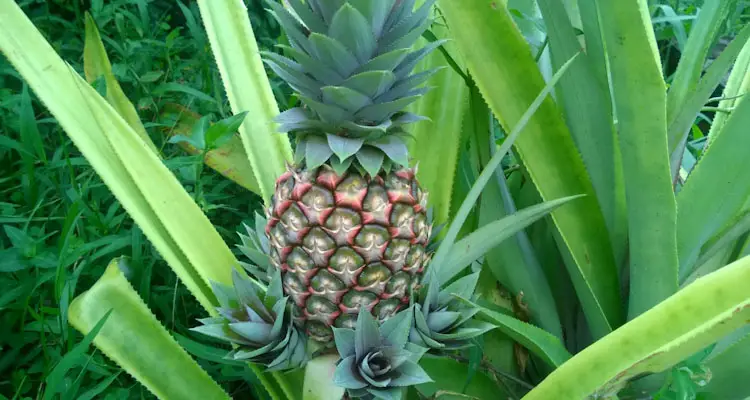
136, 340
96, 64
509, 79
248, 89
319, 383
688, 321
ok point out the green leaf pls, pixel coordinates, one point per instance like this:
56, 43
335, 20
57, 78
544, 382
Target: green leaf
220, 132
319, 383
229, 159
317, 151
371, 159
706, 203
148, 191
351, 28
702, 36
248, 89
96, 64
729, 371
585, 100
449, 378
475, 245
738, 84
344, 147
345, 98
371, 83
395, 148
640, 98
696, 316
333, 54
509, 79
538, 341
136, 340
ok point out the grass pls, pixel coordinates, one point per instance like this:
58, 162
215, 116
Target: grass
61, 225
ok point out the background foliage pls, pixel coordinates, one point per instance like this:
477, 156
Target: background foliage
60, 224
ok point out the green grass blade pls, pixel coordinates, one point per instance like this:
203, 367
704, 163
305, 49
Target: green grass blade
135, 340
73, 358
585, 100
148, 191
248, 89
475, 245
706, 203
693, 318
738, 84
505, 71
702, 35
729, 372
229, 159
538, 341
96, 64
640, 98
437, 142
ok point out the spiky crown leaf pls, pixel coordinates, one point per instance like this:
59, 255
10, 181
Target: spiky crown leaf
442, 322
256, 248
351, 63
378, 361
260, 324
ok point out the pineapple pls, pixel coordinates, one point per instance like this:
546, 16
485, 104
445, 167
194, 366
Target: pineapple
347, 224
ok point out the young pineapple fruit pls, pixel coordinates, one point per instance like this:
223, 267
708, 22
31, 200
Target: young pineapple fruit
348, 225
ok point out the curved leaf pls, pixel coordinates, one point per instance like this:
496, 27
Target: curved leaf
135, 339
693, 318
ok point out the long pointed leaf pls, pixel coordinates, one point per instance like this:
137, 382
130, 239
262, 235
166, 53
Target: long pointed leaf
640, 98
585, 99
509, 79
96, 64
706, 203
738, 85
470, 248
248, 89
693, 318
702, 35
135, 339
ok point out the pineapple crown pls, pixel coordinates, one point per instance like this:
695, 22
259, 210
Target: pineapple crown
259, 324
351, 63
442, 321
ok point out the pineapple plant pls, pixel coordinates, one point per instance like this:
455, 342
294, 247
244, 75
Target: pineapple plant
348, 225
